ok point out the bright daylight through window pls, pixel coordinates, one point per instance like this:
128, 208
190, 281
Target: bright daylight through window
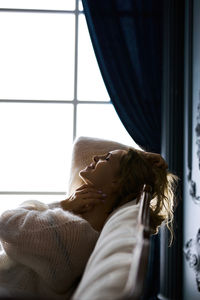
51, 91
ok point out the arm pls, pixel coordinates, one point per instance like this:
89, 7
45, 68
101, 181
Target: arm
29, 236
45, 242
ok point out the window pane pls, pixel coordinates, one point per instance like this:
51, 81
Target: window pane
35, 147
90, 82
39, 4
102, 121
80, 5
37, 56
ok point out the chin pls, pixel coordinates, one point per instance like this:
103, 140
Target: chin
82, 174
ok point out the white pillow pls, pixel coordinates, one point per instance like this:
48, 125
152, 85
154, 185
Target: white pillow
108, 268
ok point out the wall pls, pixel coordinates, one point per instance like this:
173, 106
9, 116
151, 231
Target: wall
172, 143
191, 212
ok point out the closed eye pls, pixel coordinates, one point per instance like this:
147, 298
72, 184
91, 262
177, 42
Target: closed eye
108, 156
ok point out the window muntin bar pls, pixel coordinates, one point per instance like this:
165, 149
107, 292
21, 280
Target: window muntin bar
89, 98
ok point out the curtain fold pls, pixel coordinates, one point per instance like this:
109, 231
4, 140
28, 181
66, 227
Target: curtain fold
127, 40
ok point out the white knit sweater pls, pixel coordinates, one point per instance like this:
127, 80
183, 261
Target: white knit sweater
44, 250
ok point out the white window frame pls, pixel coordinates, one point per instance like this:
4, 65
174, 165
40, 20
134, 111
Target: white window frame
74, 102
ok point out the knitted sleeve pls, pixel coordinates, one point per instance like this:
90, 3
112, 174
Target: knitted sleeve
54, 243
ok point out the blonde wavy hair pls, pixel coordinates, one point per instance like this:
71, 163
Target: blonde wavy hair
137, 170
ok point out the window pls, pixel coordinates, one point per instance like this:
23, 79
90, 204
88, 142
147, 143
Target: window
51, 91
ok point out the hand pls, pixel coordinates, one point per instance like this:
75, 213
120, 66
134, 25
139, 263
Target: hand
83, 199
156, 159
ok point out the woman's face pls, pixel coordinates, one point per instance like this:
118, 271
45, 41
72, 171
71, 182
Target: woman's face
103, 170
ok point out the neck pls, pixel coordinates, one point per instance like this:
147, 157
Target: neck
98, 215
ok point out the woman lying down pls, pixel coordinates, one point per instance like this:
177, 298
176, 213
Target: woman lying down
44, 248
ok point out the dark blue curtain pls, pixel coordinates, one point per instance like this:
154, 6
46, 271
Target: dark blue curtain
127, 40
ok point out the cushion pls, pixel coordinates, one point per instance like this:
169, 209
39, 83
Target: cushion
108, 268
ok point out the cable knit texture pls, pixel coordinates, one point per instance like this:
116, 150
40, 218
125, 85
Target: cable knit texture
43, 250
